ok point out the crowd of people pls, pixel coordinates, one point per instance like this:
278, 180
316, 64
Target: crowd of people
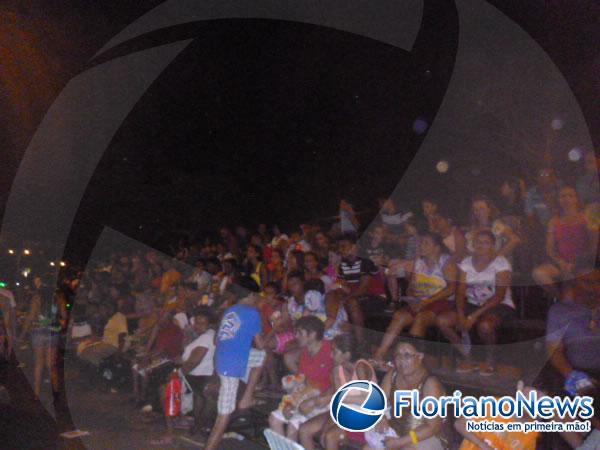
258, 306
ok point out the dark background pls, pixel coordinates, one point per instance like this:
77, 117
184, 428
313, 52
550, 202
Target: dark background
257, 121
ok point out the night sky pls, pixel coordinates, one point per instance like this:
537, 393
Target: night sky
257, 120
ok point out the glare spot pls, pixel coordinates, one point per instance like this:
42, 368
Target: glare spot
575, 154
557, 124
442, 166
420, 126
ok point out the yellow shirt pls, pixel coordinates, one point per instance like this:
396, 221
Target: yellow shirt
169, 278
115, 326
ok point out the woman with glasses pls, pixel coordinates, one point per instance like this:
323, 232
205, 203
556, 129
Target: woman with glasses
408, 373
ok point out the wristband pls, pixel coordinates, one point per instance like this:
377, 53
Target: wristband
413, 437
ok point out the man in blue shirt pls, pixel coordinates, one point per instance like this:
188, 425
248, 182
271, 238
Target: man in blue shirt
235, 357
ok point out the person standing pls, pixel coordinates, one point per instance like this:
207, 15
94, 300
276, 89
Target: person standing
235, 357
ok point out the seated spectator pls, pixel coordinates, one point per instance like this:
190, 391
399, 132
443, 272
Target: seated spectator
321, 247
228, 275
483, 299
541, 199
299, 304
170, 277
573, 332
568, 238
200, 277
235, 357
484, 216
587, 184
401, 251
278, 332
348, 221
431, 292
315, 366
163, 348
354, 277
112, 341
430, 210
294, 263
408, 373
346, 369
512, 196
312, 270
254, 266
275, 268
452, 237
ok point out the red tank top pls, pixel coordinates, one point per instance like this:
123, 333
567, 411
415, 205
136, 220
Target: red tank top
571, 239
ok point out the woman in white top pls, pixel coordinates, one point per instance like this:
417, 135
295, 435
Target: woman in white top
196, 366
483, 300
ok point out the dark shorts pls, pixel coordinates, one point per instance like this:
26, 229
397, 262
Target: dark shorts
43, 337
197, 383
504, 312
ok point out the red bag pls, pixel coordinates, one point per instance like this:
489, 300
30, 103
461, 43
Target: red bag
173, 395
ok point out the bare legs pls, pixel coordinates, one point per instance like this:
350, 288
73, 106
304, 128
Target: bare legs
401, 319
222, 420
310, 429
45, 355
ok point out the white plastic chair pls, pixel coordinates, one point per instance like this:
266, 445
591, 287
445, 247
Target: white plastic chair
279, 442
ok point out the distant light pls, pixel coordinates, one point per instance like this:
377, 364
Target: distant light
11, 251
26, 252
442, 166
26, 272
420, 125
18, 284
575, 154
557, 124
52, 264
3, 284
62, 264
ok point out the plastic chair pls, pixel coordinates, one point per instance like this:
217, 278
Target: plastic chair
279, 442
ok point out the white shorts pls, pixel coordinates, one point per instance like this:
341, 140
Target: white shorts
298, 418
229, 385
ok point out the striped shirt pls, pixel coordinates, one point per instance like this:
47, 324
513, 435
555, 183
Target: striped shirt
352, 271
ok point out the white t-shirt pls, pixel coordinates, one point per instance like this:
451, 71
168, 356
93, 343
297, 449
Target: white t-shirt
181, 319
206, 340
481, 286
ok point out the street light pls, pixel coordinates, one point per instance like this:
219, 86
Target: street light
62, 264
26, 252
11, 251
52, 264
